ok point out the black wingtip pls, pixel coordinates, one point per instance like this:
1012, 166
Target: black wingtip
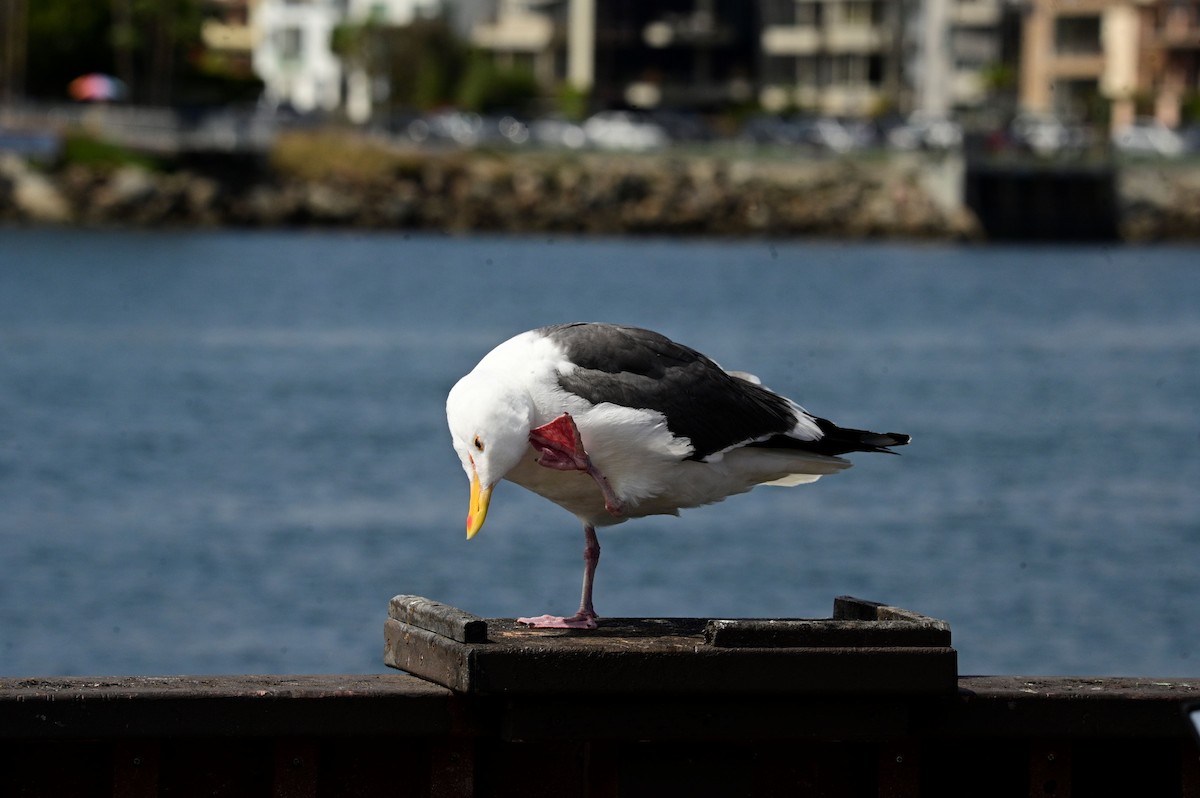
837, 440
882, 441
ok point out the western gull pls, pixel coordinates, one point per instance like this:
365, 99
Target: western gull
613, 422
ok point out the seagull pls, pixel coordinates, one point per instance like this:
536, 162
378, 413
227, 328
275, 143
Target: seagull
612, 422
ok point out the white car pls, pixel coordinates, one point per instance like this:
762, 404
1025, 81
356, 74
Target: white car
1041, 134
550, 132
1149, 137
621, 130
922, 131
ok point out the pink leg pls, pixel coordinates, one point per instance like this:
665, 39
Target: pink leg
560, 447
586, 617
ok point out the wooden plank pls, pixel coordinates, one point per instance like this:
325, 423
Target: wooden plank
602, 769
356, 737
135, 769
849, 608
1050, 769
447, 621
1189, 770
1066, 707
899, 769
678, 655
789, 671
428, 655
452, 768
855, 622
788, 633
194, 706
701, 718
554, 663
53, 769
216, 766
296, 768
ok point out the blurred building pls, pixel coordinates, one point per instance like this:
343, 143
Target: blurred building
1082, 59
228, 37
1169, 63
294, 54
1079, 60
669, 53
843, 57
960, 53
834, 56
532, 34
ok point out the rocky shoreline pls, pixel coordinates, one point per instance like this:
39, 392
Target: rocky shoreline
907, 196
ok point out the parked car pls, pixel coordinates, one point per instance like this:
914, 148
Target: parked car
1191, 138
623, 130
1046, 134
682, 126
457, 127
769, 130
558, 133
1149, 137
923, 131
828, 134
819, 133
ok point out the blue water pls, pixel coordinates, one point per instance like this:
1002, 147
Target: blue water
225, 451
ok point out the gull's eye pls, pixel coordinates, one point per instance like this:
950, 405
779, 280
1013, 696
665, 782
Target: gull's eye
478, 444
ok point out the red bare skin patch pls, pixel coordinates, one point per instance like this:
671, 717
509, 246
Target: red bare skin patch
560, 447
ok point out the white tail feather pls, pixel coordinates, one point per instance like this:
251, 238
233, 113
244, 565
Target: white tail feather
792, 480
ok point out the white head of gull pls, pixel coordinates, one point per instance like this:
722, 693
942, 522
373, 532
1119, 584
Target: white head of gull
613, 423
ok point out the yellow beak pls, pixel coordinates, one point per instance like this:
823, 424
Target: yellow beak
480, 498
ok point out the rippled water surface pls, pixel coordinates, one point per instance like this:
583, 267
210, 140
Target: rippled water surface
224, 452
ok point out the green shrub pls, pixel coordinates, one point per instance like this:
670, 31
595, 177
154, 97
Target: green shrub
88, 150
487, 87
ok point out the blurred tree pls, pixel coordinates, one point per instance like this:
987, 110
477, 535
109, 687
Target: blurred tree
1189, 110
350, 41
65, 39
573, 103
424, 63
165, 39
427, 66
151, 45
13, 19
421, 61
998, 77
123, 38
488, 87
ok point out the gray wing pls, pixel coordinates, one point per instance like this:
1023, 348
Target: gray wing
715, 410
639, 368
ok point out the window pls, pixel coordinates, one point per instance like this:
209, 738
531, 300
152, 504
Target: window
778, 12
851, 70
862, 13
973, 49
792, 13
808, 15
290, 42
807, 71
779, 70
1077, 35
823, 71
